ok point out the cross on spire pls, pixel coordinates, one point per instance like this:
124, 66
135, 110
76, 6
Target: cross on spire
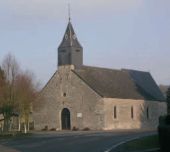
69, 12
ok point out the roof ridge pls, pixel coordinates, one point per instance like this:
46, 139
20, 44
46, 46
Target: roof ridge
102, 68
113, 83
134, 70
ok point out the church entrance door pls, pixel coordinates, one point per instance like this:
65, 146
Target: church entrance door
65, 119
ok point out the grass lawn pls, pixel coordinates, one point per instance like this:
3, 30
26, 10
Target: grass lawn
143, 143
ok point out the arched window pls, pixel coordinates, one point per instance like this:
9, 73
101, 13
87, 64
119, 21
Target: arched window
147, 112
132, 112
115, 112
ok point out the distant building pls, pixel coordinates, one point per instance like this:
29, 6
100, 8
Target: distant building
164, 89
79, 96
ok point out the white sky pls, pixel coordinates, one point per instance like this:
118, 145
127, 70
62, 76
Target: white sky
133, 34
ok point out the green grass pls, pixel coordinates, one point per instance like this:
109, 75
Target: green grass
13, 135
143, 143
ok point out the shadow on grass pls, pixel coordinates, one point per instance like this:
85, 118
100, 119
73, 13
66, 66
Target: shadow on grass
142, 144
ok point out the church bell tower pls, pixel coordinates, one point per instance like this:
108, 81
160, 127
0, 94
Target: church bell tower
70, 52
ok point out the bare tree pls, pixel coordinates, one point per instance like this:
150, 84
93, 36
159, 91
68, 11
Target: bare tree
168, 100
2, 89
10, 67
10, 70
17, 93
25, 96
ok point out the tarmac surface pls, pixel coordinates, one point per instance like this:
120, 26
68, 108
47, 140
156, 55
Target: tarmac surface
71, 141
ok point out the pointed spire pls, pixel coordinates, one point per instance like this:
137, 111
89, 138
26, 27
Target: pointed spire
70, 51
70, 39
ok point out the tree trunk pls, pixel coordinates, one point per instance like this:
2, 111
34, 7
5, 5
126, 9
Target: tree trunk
19, 124
10, 125
28, 126
25, 128
3, 128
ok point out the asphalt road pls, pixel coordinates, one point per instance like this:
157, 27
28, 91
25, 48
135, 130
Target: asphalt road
90, 141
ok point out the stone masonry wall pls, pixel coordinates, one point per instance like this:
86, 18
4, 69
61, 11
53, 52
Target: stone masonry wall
141, 118
67, 90
87, 109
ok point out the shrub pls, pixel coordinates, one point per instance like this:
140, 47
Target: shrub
167, 119
164, 133
45, 128
86, 129
75, 129
53, 129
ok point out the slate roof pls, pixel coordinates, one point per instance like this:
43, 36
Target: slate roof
124, 84
70, 39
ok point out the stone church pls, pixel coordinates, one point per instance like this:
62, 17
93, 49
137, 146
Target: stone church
79, 96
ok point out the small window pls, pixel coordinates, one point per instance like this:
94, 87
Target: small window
77, 50
64, 94
63, 51
132, 112
147, 112
115, 112
66, 36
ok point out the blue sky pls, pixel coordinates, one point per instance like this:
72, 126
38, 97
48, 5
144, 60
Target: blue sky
132, 34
